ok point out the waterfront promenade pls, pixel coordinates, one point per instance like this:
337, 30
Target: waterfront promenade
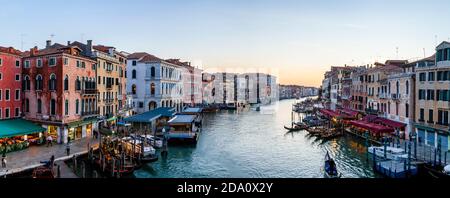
31, 157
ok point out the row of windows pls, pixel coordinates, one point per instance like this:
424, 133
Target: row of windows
440, 76
17, 77
89, 83
442, 116
39, 62
7, 96
429, 94
7, 113
89, 106
17, 63
443, 55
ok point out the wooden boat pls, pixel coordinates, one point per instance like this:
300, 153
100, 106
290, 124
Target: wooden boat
295, 128
330, 168
43, 172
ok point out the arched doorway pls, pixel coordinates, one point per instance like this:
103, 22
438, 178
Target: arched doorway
152, 105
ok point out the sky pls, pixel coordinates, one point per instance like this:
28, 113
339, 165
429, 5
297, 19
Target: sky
295, 39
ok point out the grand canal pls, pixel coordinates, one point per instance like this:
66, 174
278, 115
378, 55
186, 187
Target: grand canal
253, 144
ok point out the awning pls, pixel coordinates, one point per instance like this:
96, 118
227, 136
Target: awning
111, 119
81, 122
390, 123
17, 127
372, 127
350, 112
182, 119
149, 116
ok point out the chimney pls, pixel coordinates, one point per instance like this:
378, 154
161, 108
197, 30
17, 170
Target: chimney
33, 51
49, 43
89, 48
68, 43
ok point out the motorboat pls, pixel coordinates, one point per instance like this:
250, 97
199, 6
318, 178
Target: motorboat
156, 142
392, 153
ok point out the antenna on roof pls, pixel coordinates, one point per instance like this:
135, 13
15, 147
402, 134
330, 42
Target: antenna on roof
52, 35
21, 41
397, 51
82, 37
435, 40
424, 54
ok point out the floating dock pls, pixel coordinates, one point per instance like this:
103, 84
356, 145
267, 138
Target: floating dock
396, 169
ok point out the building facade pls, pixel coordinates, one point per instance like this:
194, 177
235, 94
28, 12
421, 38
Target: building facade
400, 96
432, 98
153, 82
60, 91
10, 83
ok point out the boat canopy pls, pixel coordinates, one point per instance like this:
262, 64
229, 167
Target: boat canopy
330, 114
182, 119
17, 127
152, 115
372, 127
193, 110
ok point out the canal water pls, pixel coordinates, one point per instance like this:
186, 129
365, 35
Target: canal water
255, 144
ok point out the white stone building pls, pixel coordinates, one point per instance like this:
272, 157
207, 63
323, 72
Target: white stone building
153, 82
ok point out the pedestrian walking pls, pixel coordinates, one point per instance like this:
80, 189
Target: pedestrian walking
49, 140
4, 160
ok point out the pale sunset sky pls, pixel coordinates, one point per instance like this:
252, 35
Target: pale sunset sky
298, 39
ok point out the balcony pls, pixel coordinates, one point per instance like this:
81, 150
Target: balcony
89, 91
382, 96
108, 101
89, 113
395, 96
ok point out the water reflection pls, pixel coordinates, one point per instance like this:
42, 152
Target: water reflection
251, 144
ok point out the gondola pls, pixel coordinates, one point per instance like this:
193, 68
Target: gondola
330, 169
295, 128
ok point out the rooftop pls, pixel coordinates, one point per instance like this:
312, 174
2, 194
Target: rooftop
151, 115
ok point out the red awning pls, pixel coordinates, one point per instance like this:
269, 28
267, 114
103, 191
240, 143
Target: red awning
390, 123
372, 127
329, 113
350, 112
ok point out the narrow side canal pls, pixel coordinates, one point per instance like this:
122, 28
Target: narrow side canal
252, 144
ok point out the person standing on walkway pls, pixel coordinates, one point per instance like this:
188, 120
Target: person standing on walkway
4, 160
49, 140
68, 146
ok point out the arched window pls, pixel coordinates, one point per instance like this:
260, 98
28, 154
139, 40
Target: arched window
66, 107
389, 91
66, 83
53, 107
407, 110
152, 72
77, 106
27, 105
39, 106
133, 89
52, 82
397, 86
39, 83
78, 84
152, 89
133, 74
26, 83
407, 87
